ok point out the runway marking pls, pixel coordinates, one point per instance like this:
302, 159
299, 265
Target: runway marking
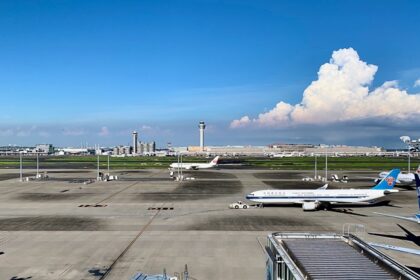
129, 245
65, 271
93, 205
160, 208
262, 247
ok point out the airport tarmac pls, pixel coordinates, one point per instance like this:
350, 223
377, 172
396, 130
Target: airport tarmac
147, 222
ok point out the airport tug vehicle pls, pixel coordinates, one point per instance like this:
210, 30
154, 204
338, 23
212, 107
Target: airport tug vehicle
238, 205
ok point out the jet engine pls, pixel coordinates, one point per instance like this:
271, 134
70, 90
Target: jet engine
310, 205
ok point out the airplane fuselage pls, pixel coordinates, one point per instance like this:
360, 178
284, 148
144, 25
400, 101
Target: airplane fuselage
189, 166
403, 178
368, 196
194, 166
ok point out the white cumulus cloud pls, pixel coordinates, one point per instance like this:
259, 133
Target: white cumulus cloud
244, 121
341, 93
417, 83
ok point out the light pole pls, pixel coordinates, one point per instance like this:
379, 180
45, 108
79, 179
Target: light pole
315, 168
97, 175
179, 176
409, 159
178, 167
181, 169
108, 164
326, 166
37, 165
20, 157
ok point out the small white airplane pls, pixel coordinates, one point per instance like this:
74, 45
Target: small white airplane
414, 218
283, 155
195, 166
403, 178
314, 199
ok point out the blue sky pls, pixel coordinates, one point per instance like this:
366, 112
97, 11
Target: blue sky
71, 69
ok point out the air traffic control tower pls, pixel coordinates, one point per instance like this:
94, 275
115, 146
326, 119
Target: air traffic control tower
202, 126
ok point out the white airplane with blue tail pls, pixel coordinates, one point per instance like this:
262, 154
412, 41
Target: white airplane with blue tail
403, 178
414, 218
315, 199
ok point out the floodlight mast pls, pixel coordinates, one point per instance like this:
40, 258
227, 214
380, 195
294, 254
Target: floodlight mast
37, 165
326, 166
178, 161
409, 159
179, 166
97, 168
108, 163
20, 173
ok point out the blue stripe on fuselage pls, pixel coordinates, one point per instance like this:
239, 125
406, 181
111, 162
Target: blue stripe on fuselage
301, 197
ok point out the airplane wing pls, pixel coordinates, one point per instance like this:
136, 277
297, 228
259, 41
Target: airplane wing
411, 219
396, 248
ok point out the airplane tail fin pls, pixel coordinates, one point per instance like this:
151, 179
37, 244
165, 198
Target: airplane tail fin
324, 187
416, 176
215, 160
389, 181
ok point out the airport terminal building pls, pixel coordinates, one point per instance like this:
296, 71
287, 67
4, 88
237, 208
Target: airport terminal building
287, 149
301, 256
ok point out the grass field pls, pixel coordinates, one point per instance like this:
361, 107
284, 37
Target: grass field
298, 163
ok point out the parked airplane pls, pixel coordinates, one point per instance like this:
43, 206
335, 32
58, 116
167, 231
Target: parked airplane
322, 197
195, 166
416, 217
283, 155
403, 178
